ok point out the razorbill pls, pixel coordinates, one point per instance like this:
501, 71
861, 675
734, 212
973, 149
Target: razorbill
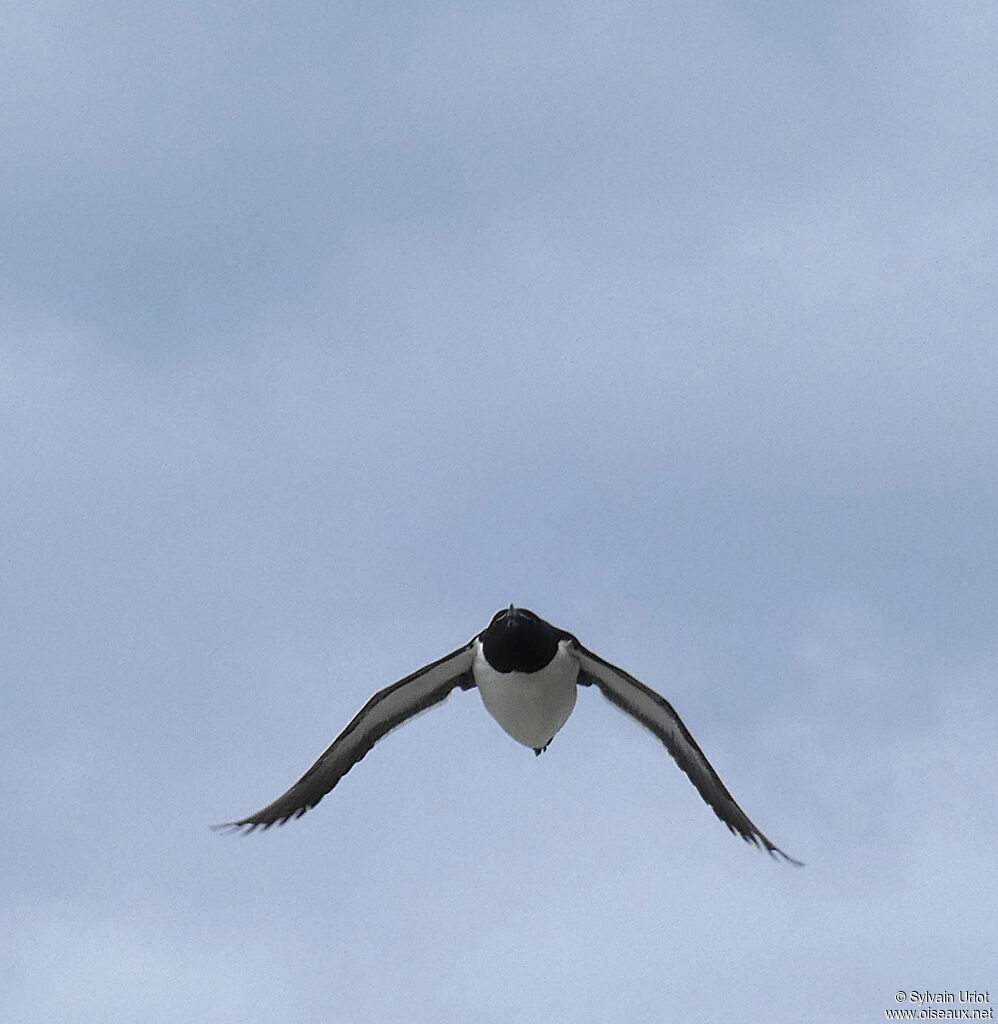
527, 673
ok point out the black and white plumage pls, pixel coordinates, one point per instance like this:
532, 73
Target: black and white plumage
527, 673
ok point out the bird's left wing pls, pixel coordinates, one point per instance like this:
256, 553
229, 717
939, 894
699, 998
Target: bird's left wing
658, 715
386, 710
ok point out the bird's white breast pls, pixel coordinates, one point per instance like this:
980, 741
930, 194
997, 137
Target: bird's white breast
530, 706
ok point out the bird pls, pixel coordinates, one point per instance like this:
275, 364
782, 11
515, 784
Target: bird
527, 673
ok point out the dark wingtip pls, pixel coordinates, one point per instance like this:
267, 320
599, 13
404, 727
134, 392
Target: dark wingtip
243, 827
248, 825
775, 852
760, 842
226, 828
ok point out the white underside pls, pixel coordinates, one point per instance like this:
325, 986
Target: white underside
530, 706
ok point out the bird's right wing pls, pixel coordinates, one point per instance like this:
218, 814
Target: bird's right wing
386, 710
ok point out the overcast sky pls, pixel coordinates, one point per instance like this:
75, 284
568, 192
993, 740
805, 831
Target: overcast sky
326, 330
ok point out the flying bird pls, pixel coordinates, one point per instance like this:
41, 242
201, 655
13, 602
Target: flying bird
527, 673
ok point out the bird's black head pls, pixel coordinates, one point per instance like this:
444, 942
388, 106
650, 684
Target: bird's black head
517, 640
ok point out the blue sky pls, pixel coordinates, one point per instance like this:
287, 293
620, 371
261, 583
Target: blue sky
326, 331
